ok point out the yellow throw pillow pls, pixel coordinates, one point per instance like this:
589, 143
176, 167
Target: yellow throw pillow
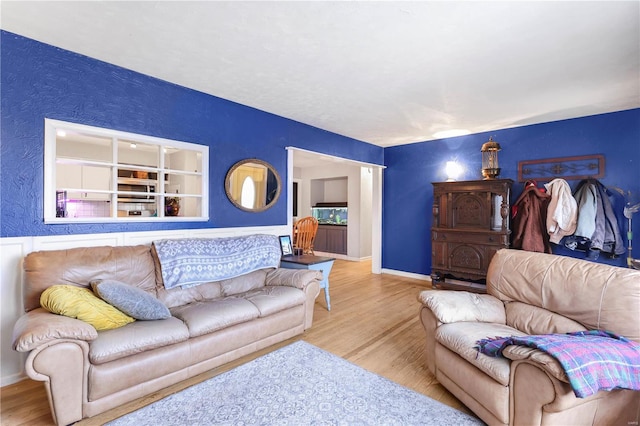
81, 303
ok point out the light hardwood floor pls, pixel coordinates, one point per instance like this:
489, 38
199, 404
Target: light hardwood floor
373, 323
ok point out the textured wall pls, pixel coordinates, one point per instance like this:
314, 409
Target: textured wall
41, 81
408, 193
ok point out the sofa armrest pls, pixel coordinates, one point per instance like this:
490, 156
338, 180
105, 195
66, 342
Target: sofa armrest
304, 279
40, 326
298, 278
539, 398
457, 306
543, 359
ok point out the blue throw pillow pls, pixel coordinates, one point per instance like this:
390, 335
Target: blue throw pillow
131, 300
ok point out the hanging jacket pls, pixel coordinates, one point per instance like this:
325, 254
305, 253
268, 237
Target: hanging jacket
586, 198
562, 213
529, 220
606, 236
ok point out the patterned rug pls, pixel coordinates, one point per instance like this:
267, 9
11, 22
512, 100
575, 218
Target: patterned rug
298, 384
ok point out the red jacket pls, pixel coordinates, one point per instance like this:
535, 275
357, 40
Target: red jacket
529, 229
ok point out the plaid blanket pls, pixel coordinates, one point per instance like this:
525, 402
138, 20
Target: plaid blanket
593, 360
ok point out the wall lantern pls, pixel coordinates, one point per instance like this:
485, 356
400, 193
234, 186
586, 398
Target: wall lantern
490, 166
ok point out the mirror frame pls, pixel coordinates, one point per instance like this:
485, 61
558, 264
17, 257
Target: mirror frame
227, 181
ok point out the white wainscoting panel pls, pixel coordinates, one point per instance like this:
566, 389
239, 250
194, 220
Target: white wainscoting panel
12, 251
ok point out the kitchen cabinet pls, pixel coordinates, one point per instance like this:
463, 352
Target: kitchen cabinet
331, 239
470, 223
96, 178
79, 178
69, 176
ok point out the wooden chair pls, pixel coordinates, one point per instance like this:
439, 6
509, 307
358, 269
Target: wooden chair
304, 231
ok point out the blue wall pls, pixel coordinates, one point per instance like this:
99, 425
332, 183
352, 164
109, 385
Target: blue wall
408, 193
41, 81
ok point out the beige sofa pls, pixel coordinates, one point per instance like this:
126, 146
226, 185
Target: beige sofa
87, 372
531, 293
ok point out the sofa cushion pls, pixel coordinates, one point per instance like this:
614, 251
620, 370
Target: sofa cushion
137, 337
270, 300
131, 300
244, 282
461, 338
81, 303
209, 316
454, 306
533, 320
184, 296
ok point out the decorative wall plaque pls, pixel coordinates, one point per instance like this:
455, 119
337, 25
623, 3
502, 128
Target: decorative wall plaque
568, 168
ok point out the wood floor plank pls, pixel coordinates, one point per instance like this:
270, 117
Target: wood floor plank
373, 323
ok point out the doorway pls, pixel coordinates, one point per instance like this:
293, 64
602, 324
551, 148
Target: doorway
300, 158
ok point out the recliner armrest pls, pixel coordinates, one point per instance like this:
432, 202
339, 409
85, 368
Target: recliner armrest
40, 326
457, 306
298, 278
546, 361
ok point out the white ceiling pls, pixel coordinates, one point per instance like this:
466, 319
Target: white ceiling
387, 73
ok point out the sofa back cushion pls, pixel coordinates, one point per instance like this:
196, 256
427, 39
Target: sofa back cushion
209, 291
79, 266
531, 319
179, 296
246, 282
183, 296
596, 295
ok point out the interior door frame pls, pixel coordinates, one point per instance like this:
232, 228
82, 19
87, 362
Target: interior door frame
376, 201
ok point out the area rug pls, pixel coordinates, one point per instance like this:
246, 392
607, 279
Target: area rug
298, 384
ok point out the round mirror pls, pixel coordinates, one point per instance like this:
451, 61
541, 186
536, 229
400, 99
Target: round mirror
252, 185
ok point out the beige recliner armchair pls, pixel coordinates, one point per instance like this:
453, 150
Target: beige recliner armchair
531, 293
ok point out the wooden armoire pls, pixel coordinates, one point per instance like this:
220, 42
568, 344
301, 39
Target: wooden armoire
470, 223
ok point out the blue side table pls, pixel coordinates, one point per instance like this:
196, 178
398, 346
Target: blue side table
315, 263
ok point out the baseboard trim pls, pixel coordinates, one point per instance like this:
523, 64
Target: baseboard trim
406, 274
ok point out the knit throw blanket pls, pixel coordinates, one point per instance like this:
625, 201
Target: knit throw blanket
593, 360
192, 261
